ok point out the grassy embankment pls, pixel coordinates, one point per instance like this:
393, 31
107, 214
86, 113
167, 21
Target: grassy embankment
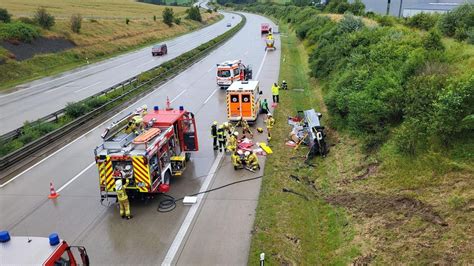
104, 33
380, 207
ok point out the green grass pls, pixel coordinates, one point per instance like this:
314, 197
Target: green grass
103, 34
321, 231
407, 209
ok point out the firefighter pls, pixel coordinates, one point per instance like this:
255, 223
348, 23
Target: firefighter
214, 134
233, 142
275, 93
221, 137
251, 160
228, 128
123, 198
269, 123
236, 160
245, 127
284, 85
264, 107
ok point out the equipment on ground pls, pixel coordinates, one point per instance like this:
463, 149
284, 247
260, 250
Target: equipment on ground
265, 148
51, 251
159, 49
230, 71
243, 101
148, 156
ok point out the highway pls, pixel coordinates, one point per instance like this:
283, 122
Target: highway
77, 214
44, 96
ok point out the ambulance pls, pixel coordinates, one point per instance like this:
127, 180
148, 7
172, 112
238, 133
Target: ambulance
243, 101
230, 71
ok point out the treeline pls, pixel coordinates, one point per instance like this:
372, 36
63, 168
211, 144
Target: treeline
384, 82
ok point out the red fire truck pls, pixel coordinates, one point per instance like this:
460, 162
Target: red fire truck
265, 28
50, 251
230, 71
149, 154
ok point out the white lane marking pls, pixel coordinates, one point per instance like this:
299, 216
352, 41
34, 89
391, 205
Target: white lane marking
85, 88
261, 65
55, 89
75, 177
151, 61
72, 142
175, 98
191, 213
208, 98
210, 69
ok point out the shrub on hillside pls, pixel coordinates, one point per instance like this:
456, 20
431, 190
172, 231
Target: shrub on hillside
432, 41
194, 13
168, 16
177, 21
458, 22
18, 31
343, 6
43, 18
27, 20
423, 21
76, 23
75, 110
4, 15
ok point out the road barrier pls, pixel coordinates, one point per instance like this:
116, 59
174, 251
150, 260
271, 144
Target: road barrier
133, 88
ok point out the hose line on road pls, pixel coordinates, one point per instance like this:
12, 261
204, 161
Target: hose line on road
169, 202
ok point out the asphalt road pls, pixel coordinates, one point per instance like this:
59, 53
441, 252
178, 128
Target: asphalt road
44, 96
77, 214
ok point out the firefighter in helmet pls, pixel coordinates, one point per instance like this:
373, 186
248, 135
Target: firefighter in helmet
236, 160
233, 142
122, 198
221, 138
251, 160
245, 127
214, 135
269, 123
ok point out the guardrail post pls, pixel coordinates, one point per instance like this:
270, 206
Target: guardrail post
262, 259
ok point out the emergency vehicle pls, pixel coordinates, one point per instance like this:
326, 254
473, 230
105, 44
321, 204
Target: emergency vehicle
243, 101
264, 28
147, 156
52, 251
230, 71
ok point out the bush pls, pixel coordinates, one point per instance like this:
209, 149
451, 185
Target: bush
4, 15
27, 20
43, 18
177, 21
386, 21
194, 13
75, 110
423, 21
458, 22
127, 20
154, 18
168, 16
18, 31
76, 23
433, 41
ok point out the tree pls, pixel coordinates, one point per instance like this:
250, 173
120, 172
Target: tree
4, 15
194, 14
76, 23
43, 18
433, 41
168, 16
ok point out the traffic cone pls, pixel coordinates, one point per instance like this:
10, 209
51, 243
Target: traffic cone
52, 191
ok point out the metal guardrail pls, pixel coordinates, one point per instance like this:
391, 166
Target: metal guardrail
15, 156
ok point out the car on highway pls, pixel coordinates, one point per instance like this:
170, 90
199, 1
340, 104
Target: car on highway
229, 24
159, 49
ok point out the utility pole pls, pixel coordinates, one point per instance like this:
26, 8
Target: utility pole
388, 7
400, 10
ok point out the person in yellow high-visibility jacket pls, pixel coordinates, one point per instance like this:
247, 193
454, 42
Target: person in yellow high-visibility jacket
251, 160
269, 123
276, 93
236, 160
233, 142
123, 198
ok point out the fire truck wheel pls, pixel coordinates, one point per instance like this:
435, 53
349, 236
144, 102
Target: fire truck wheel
167, 178
187, 156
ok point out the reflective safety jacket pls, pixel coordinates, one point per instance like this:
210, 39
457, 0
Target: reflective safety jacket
270, 122
220, 134
122, 194
214, 131
275, 89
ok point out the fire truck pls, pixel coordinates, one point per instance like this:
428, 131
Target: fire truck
51, 251
230, 71
265, 28
157, 148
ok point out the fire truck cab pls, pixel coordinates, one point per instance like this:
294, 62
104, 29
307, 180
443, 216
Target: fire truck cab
265, 28
243, 101
50, 251
230, 71
149, 155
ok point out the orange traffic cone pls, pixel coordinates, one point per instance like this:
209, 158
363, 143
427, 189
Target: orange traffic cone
52, 191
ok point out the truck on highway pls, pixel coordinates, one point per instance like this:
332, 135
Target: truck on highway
156, 148
51, 251
243, 101
265, 28
230, 71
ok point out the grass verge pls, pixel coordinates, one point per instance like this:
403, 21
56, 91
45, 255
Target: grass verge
288, 228
104, 34
377, 208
